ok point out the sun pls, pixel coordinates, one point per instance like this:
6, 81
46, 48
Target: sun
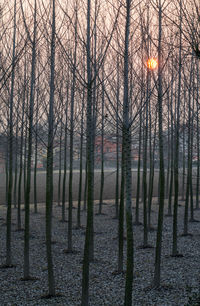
152, 63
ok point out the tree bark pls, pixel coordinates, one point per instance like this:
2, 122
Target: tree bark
10, 175
30, 137
80, 169
49, 173
128, 174
72, 137
157, 270
102, 150
176, 155
198, 143
21, 151
137, 222
89, 226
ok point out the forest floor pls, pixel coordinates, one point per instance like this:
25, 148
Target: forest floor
180, 275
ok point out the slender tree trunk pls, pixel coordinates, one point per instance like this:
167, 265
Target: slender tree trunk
36, 151
191, 158
145, 233
80, 170
21, 153
102, 151
89, 226
94, 105
168, 149
183, 179
7, 164
35, 174
162, 171
151, 161
138, 174
137, 222
72, 137
16, 162
30, 137
117, 147
49, 174
85, 189
10, 176
172, 155
25, 149
121, 215
128, 173
65, 159
185, 226
60, 165
198, 144
176, 155
151, 174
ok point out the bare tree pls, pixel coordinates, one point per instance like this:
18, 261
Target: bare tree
49, 173
127, 151
30, 137
156, 280
176, 155
10, 177
72, 131
89, 229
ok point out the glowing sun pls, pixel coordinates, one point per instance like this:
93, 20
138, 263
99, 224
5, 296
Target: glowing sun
152, 63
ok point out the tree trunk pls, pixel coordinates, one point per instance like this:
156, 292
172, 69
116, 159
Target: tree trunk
168, 148
72, 138
36, 151
198, 143
49, 174
16, 161
65, 160
30, 137
151, 170
80, 169
21, 152
172, 155
10, 176
185, 227
25, 149
102, 150
117, 147
137, 222
156, 281
191, 157
85, 189
176, 155
127, 151
60, 164
145, 233
89, 226
184, 158
121, 215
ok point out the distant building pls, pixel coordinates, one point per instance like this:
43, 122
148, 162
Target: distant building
2, 163
109, 148
3, 147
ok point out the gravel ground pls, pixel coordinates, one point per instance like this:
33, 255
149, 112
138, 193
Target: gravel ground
180, 276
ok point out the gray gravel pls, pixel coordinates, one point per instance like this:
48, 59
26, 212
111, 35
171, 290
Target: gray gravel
180, 276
